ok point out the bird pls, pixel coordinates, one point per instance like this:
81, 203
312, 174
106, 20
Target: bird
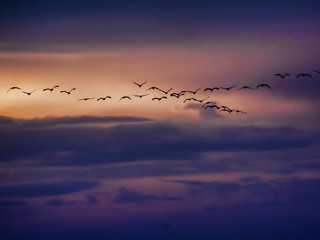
316, 71
50, 89
245, 87
304, 75
159, 99
282, 75
200, 101
194, 91
13, 88
212, 106
68, 92
28, 93
263, 85
177, 95
166, 92
85, 99
225, 107
140, 96
124, 97
211, 89
139, 85
189, 99
103, 98
153, 88
208, 103
228, 88
238, 111
226, 110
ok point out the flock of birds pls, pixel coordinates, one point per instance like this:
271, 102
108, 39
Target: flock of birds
206, 105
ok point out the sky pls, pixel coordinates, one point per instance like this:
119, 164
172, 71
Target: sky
169, 169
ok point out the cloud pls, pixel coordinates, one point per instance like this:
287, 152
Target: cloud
91, 199
87, 145
127, 196
56, 121
56, 202
277, 192
41, 189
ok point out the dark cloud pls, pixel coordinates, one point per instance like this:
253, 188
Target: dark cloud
56, 202
278, 192
41, 189
91, 199
83, 145
56, 121
127, 196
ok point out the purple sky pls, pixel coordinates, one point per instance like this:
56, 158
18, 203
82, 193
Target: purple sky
126, 169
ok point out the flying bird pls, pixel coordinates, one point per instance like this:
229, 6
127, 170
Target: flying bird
28, 93
103, 98
166, 92
245, 87
282, 75
153, 88
140, 96
208, 103
316, 71
124, 97
238, 111
263, 85
211, 89
189, 99
201, 100
304, 75
212, 106
226, 110
194, 91
50, 89
159, 99
12, 88
139, 85
225, 107
228, 88
68, 92
177, 95
85, 99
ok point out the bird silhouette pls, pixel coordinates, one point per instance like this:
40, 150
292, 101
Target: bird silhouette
153, 88
228, 88
226, 110
12, 88
225, 107
263, 85
139, 85
140, 96
68, 92
124, 97
211, 89
212, 106
165, 92
282, 75
50, 89
194, 91
189, 99
177, 95
159, 99
316, 71
201, 100
103, 98
304, 75
28, 93
245, 87
85, 99
238, 111
208, 103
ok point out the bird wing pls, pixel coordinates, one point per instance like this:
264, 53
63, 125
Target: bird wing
316, 71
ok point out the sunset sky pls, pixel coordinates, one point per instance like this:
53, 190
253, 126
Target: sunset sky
169, 169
